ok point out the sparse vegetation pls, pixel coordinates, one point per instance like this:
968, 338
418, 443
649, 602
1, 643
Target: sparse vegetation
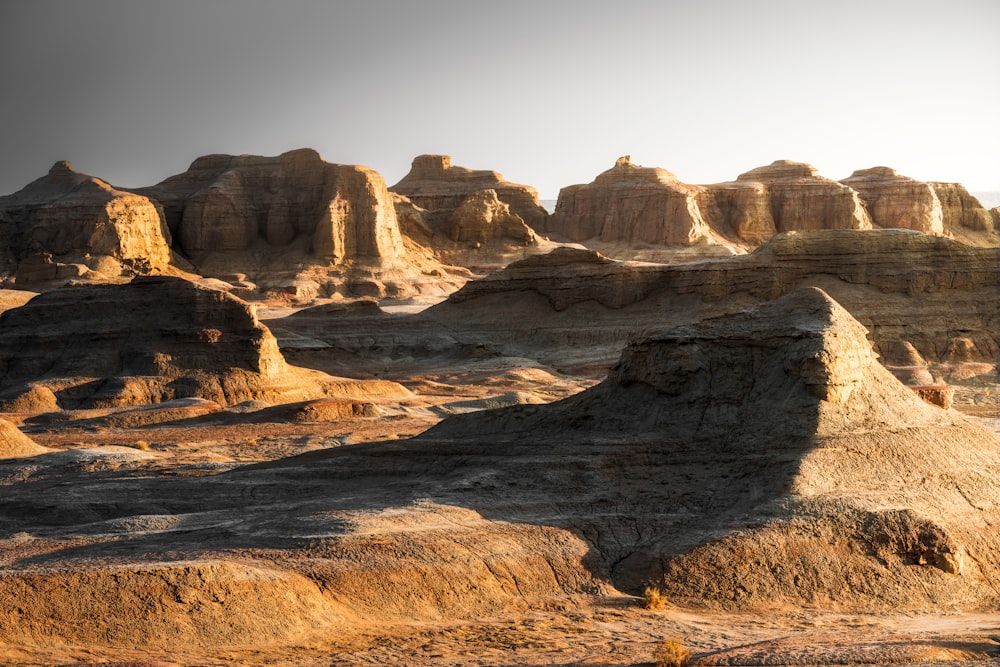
141, 445
671, 653
654, 598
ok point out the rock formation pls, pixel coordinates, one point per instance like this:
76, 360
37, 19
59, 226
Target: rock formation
855, 492
574, 308
895, 201
151, 340
636, 205
482, 217
68, 225
801, 199
632, 204
14, 444
435, 185
235, 204
964, 217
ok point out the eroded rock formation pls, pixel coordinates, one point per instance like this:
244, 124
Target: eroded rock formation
151, 340
434, 184
895, 201
633, 204
778, 504
801, 199
235, 204
68, 225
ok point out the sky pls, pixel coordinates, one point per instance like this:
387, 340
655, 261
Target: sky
547, 92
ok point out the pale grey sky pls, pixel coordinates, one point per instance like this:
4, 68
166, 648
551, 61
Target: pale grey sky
548, 92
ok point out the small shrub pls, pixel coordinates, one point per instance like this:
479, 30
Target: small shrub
671, 653
140, 445
654, 598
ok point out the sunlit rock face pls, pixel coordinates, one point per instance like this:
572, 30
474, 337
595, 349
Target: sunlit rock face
68, 225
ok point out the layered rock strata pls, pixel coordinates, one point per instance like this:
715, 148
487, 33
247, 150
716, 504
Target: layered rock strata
838, 496
68, 225
434, 184
234, 204
895, 201
151, 340
631, 203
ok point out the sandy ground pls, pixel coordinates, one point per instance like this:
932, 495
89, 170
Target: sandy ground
572, 630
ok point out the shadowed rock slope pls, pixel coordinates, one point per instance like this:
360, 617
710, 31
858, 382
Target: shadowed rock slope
766, 457
151, 340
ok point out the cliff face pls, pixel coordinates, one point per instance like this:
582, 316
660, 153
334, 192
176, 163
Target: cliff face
632, 204
434, 184
231, 204
801, 199
895, 201
70, 225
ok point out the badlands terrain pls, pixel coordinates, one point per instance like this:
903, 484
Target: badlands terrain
275, 411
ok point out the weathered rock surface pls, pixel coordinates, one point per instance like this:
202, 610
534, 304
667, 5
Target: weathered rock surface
964, 216
434, 184
14, 444
895, 201
770, 506
295, 219
801, 199
573, 308
634, 204
151, 340
234, 203
757, 460
67, 225
482, 217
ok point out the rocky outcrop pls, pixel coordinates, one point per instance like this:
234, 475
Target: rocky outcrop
962, 211
801, 199
780, 506
296, 201
895, 201
630, 203
482, 217
68, 225
151, 340
434, 184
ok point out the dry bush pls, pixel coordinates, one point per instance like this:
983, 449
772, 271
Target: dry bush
671, 653
141, 445
654, 598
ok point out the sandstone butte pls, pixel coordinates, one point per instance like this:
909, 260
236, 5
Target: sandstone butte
639, 205
295, 201
676, 469
67, 225
298, 225
151, 340
434, 184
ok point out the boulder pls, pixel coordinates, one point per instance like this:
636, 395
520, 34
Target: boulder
147, 341
801, 199
897, 201
68, 225
434, 184
633, 204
